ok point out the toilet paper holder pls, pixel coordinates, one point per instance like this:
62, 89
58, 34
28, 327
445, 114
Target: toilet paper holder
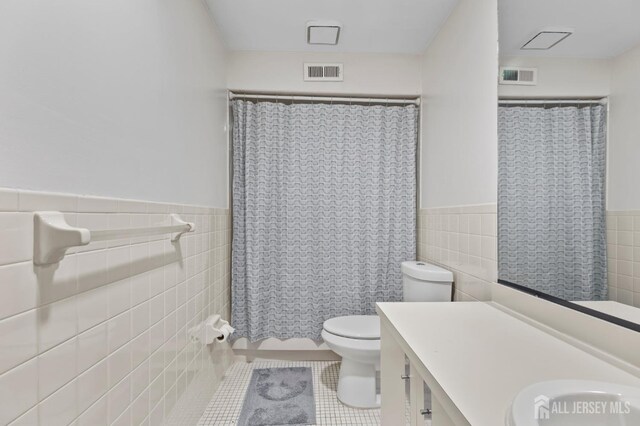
212, 329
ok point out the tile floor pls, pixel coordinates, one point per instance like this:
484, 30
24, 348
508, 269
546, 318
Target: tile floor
226, 404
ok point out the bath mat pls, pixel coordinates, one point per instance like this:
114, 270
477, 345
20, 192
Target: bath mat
279, 396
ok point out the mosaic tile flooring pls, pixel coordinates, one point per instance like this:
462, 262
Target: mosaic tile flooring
226, 404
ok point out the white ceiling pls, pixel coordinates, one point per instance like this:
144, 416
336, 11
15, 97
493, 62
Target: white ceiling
383, 26
602, 28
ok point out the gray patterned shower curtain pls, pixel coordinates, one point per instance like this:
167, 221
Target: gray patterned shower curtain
324, 212
551, 199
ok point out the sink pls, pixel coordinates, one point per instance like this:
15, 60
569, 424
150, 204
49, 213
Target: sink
575, 403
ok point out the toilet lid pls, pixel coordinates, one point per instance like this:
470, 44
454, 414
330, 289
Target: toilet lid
365, 327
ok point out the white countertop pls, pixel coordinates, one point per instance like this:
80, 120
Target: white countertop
617, 309
482, 357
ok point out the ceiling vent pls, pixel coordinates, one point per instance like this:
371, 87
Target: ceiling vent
323, 32
546, 39
323, 72
519, 76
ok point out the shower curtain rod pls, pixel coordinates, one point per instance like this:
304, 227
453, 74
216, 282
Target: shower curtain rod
602, 101
341, 99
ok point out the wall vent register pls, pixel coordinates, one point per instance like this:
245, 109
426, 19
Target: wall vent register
323, 72
519, 76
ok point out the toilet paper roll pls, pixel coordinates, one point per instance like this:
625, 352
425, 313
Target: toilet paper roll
225, 331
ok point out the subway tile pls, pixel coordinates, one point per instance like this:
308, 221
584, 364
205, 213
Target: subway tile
132, 206
118, 399
18, 390
92, 270
156, 309
57, 281
92, 347
475, 245
625, 268
489, 248
19, 289
124, 419
475, 224
19, 337
625, 296
119, 364
156, 364
30, 418
139, 379
96, 415
16, 234
156, 391
625, 223
60, 408
29, 201
56, 367
624, 282
624, 238
119, 263
119, 331
8, 200
93, 292
139, 349
489, 225
156, 336
139, 288
88, 204
92, 308
92, 385
119, 297
57, 322
139, 318
140, 408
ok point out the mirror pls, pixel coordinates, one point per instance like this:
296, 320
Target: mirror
569, 154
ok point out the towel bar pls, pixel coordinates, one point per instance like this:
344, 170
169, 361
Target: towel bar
53, 235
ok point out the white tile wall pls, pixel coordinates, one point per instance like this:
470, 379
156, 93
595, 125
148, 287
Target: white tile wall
463, 240
101, 337
623, 256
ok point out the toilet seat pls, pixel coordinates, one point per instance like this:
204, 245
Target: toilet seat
359, 327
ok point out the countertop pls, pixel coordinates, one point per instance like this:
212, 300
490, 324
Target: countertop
482, 357
617, 309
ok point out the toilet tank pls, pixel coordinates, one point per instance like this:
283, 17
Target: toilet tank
424, 282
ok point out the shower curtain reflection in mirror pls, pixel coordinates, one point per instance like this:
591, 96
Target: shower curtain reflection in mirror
324, 212
551, 199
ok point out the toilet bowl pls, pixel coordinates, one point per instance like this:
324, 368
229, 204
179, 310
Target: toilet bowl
356, 338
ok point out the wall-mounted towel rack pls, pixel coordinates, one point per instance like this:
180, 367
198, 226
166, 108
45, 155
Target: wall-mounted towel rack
53, 235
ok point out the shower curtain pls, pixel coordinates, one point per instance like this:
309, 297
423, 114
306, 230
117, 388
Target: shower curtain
323, 213
551, 199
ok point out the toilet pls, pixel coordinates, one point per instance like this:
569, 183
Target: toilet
356, 338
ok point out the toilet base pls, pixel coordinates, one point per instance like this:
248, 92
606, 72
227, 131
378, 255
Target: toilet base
357, 384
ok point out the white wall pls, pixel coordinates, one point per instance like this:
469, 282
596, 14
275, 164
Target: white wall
624, 133
118, 98
560, 77
378, 74
459, 116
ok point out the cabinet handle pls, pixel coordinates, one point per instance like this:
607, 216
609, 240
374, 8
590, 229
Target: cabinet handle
405, 377
426, 412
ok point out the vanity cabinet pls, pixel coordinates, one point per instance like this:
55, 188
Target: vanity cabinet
394, 400
475, 357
